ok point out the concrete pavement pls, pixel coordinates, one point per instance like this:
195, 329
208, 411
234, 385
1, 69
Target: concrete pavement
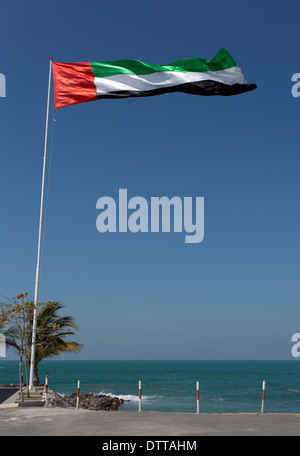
71, 422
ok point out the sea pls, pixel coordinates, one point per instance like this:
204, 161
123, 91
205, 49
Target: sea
170, 386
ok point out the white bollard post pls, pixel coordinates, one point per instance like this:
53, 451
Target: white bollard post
77, 395
46, 388
198, 399
140, 396
263, 396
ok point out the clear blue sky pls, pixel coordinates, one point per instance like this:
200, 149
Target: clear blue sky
150, 295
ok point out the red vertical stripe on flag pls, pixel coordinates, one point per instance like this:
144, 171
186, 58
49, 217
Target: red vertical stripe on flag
73, 83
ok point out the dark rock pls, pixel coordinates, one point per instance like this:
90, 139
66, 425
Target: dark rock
86, 401
96, 402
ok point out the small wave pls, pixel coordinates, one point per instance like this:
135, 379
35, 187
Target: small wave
218, 399
128, 397
125, 397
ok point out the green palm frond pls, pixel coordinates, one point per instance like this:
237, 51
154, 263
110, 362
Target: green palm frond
52, 330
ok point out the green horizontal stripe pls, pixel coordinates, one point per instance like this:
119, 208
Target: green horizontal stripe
221, 61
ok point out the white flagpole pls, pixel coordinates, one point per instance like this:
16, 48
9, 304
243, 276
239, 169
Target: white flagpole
37, 276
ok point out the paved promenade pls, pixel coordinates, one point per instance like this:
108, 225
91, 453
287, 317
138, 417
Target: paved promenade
43, 421
6, 392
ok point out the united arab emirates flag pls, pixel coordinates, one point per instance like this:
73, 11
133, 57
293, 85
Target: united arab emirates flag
80, 82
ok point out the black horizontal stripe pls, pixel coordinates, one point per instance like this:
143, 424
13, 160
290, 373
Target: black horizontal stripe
204, 88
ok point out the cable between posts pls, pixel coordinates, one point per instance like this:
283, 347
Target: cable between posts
285, 389
168, 389
110, 386
144, 383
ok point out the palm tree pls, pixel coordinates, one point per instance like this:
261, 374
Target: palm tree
52, 329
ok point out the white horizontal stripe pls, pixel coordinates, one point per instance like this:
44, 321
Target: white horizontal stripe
165, 79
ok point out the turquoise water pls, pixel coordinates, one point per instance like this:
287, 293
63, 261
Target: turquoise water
170, 386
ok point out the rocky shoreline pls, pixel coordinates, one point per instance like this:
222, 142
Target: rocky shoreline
86, 401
